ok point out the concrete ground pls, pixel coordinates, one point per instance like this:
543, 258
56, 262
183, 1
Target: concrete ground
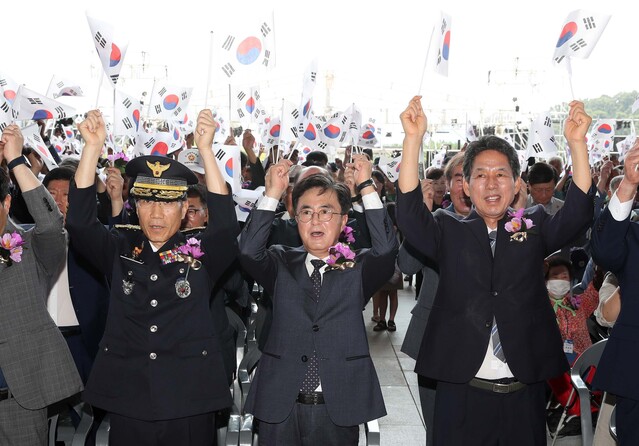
404, 424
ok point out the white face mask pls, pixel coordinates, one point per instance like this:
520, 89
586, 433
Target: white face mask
558, 288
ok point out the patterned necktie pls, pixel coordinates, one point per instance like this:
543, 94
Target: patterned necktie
494, 333
312, 379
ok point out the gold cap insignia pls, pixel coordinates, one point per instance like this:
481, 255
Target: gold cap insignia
157, 168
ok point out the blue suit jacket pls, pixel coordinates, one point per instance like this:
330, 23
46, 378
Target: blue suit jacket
332, 327
615, 247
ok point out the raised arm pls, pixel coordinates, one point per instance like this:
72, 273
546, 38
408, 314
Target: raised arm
11, 146
204, 134
414, 123
575, 130
93, 131
48, 240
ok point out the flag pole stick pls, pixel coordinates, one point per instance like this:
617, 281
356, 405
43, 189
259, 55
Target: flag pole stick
430, 42
50, 83
208, 75
97, 98
148, 110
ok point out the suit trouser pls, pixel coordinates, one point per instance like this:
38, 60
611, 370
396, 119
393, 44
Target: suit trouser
307, 425
627, 414
20, 426
196, 430
468, 416
427, 393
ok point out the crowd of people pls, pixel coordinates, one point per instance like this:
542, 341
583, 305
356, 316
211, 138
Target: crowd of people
116, 280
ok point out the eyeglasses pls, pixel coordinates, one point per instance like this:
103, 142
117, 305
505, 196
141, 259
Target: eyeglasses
306, 215
191, 212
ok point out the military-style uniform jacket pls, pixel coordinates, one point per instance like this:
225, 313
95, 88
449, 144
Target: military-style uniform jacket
160, 356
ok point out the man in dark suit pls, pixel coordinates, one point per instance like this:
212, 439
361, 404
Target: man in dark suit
36, 369
411, 262
159, 372
492, 338
316, 382
615, 247
79, 299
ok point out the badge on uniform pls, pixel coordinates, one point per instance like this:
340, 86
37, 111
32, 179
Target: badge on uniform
183, 287
188, 254
127, 284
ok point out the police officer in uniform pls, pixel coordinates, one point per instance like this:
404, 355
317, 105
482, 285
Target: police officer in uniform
159, 372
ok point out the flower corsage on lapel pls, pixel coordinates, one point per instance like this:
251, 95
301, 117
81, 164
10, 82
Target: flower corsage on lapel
340, 255
190, 253
519, 226
11, 247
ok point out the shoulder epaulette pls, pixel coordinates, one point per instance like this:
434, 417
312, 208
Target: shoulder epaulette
196, 230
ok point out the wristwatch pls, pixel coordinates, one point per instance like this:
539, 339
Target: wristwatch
16, 162
364, 184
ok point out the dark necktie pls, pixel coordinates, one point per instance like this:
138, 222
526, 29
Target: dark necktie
494, 333
312, 379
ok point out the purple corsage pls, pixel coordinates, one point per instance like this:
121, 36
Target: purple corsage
11, 247
518, 225
340, 255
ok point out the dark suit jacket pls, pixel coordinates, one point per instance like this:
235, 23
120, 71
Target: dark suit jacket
90, 296
333, 327
160, 357
411, 262
615, 247
474, 287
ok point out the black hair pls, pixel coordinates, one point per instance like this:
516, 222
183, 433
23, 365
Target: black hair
490, 142
435, 173
243, 159
4, 185
199, 191
323, 183
316, 158
555, 261
542, 173
59, 173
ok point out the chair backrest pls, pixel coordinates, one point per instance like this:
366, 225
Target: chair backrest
613, 423
589, 358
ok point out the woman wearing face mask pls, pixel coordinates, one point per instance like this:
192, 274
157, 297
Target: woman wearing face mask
572, 313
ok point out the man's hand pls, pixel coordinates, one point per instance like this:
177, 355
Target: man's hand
11, 143
276, 180
604, 175
414, 120
628, 187
114, 183
362, 168
204, 131
428, 193
248, 141
93, 131
230, 141
577, 123
349, 180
